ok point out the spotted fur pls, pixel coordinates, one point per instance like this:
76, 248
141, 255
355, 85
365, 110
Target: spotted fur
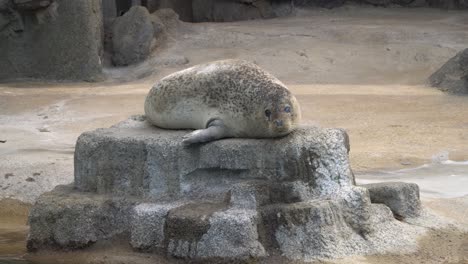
235, 91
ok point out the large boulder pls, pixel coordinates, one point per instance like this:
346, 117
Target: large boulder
132, 36
167, 17
452, 77
52, 40
228, 200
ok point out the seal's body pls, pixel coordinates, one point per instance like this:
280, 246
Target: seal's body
230, 98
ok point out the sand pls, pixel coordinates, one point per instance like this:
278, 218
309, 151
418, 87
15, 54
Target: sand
359, 68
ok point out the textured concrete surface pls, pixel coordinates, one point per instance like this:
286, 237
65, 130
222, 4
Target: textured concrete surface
136, 158
69, 47
402, 198
67, 219
132, 36
148, 225
209, 231
229, 200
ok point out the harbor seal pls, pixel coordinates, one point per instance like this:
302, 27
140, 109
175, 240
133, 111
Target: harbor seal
221, 99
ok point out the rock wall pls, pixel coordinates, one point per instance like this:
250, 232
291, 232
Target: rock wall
132, 36
448, 4
61, 42
232, 10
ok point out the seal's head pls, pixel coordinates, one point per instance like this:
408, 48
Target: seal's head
280, 114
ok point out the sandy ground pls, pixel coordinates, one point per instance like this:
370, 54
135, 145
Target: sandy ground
362, 69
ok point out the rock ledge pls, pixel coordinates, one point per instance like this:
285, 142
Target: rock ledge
232, 199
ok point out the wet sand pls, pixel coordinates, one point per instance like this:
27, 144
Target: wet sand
362, 69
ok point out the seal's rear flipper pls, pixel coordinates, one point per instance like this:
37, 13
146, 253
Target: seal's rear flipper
215, 130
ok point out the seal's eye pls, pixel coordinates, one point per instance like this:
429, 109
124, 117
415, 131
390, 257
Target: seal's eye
267, 113
287, 109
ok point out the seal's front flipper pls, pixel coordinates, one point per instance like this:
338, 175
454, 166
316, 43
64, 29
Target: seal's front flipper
215, 130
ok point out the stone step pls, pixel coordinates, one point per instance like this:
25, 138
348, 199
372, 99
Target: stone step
68, 219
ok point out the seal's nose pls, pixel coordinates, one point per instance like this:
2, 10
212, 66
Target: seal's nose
279, 122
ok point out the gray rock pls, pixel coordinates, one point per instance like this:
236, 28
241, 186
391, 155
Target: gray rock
411, 3
31, 5
405, 2
152, 5
186, 226
136, 158
148, 225
306, 230
283, 8
249, 195
207, 231
66, 219
183, 8
5, 5
158, 26
379, 2
452, 77
232, 235
11, 21
69, 48
132, 35
356, 206
227, 200
109, 12
448, 4
463, 4
254, 194
402, 198
226, 10
390, 2
169, 18
319, 3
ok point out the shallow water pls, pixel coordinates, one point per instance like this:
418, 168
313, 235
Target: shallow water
445, 179
13, 261
13, 232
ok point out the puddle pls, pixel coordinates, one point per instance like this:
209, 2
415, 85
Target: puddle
446, 179
12, 244
13, 261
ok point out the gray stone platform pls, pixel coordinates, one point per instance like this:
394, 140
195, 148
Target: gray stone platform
134, 158
232, 199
